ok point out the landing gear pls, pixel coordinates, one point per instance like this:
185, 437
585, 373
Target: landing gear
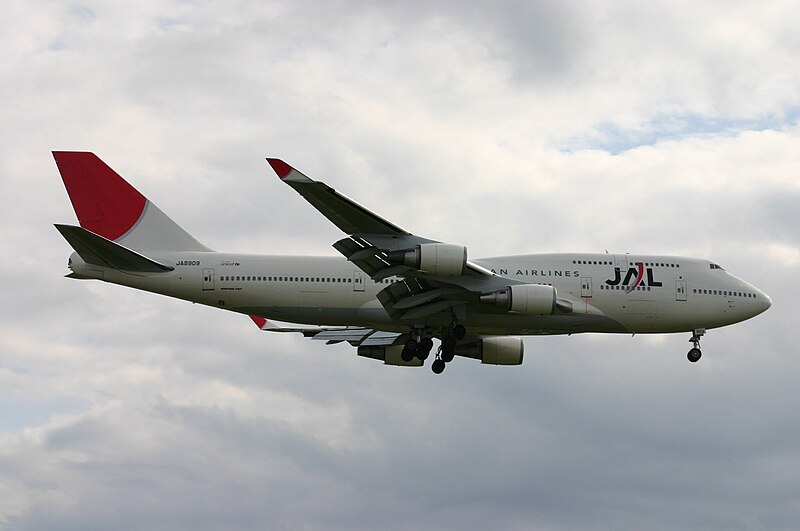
426, 344
409, 351
419, 345
695, 353
448, 348
414, 349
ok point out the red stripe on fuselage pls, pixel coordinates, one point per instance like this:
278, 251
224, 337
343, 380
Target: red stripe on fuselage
104, 202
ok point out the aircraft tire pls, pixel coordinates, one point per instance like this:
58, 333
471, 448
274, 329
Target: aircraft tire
438, 366
448, 354
459, 332
694, 355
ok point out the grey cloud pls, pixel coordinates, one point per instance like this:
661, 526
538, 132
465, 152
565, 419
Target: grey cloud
455, 121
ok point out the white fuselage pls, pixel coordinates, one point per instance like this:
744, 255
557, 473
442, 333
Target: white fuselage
674, 294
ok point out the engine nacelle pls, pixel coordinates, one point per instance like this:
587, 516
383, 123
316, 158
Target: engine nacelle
502, 350
442, 259
388, 355
524, 299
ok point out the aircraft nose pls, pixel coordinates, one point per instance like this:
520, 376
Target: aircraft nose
763, 302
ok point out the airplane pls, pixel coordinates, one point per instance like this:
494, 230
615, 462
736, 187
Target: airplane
393, 293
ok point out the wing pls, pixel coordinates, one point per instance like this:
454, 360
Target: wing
437, 277
376, 344
356, 336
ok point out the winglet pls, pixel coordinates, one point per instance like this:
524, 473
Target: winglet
276, 326
286, 173
280, 167
259, 321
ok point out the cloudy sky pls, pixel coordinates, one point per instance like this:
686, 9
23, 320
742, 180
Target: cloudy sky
663, 127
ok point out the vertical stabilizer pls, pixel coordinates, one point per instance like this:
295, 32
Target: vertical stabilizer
107, 205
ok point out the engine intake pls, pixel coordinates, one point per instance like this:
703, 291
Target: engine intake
442, 259
503, 350
524, 299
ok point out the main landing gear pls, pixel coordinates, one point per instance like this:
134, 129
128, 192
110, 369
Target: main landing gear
447, 351
420, 344
417, 349
695, 353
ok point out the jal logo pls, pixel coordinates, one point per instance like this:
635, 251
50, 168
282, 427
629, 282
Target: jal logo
636, 274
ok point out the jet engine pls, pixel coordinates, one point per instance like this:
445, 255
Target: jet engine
388, 355
524, 299
442, 259
503, 350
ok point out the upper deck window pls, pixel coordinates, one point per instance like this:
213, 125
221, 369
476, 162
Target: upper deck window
715, 266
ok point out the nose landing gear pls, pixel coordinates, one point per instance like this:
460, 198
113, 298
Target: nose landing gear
695, 353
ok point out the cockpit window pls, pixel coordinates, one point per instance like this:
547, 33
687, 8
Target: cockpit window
715, 266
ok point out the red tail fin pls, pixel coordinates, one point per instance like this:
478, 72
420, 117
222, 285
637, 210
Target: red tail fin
107, 205
104, 202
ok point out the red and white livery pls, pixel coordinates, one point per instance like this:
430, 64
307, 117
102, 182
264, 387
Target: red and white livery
395, 296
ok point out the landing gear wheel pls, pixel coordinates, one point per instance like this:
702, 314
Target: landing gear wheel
424, 348
695, 353
426, 344
459, 332
407, 355
448, 354
438, 366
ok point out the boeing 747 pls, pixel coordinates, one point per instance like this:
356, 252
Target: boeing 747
394, 295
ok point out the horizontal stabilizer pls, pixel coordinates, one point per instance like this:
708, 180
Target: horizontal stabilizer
99, 251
